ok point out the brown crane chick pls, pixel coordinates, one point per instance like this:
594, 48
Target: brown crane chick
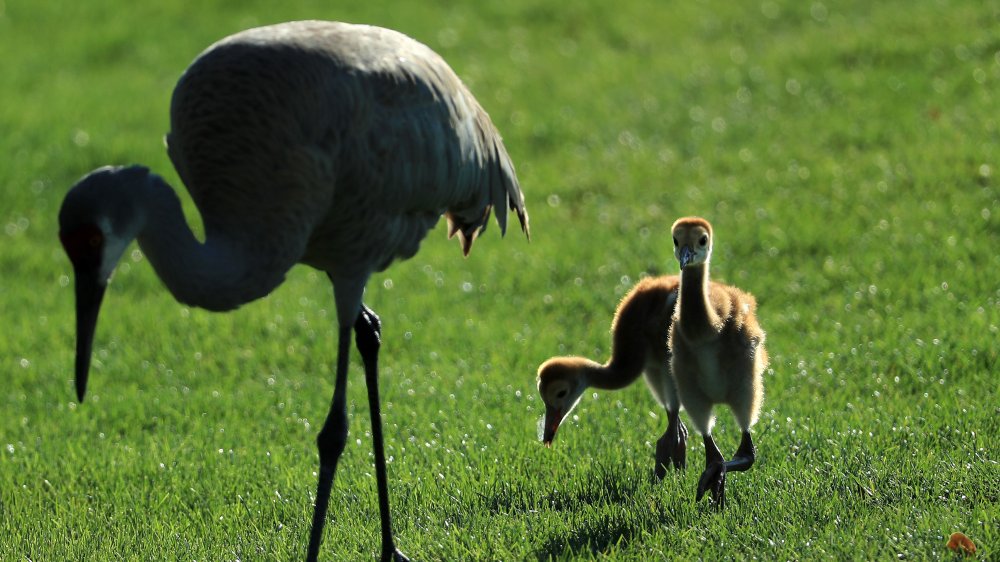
718, 354
639, 345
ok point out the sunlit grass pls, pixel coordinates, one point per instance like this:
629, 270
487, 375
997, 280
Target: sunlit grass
846, 154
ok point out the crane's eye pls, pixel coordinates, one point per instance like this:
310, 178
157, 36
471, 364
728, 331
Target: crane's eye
675, 241
562, 394
83, 245
703, 240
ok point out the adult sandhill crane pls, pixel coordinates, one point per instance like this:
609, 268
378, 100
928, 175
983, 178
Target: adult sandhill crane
718, 353
639, 346
334, 145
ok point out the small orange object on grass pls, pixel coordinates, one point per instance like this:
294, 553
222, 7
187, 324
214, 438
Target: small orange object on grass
960, 542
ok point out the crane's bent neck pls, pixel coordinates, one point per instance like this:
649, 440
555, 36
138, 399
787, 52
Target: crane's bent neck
606, 377
216, 275
697, 317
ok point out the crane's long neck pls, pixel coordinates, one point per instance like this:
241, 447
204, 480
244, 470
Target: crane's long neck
610, 376
217, 274
698, 318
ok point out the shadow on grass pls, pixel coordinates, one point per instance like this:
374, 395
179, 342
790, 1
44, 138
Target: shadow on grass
606, 487
595, 535
604, 511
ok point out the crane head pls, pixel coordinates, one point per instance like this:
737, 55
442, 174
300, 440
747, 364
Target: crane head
561, 382
95, 227
692, 241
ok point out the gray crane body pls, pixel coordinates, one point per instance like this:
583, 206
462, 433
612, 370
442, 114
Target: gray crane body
335, 145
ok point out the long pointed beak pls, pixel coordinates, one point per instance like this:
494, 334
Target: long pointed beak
553, 417
89, 294
686, 255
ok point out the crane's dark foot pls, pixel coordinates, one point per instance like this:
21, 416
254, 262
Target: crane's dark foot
671, 448
714, 480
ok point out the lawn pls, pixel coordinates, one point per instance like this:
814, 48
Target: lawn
847, 154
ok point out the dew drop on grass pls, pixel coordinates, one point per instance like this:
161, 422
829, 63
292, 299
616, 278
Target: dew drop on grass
81, 138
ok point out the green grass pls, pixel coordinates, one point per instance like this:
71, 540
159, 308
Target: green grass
846, 153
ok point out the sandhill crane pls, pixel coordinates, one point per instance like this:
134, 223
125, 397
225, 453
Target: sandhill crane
330, 144
639, 345
718, 353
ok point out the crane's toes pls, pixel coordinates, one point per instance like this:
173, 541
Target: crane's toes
714, 480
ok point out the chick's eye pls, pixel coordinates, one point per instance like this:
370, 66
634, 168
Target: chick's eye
675, 241
703, 240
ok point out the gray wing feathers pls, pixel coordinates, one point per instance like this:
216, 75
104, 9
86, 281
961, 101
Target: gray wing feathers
505, 190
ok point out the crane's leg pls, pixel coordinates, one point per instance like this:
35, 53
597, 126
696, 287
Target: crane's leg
716, 467
368, 337
331, 441
672, 447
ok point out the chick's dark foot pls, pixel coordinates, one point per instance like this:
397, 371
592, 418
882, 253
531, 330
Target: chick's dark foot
714, 480
671, 449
